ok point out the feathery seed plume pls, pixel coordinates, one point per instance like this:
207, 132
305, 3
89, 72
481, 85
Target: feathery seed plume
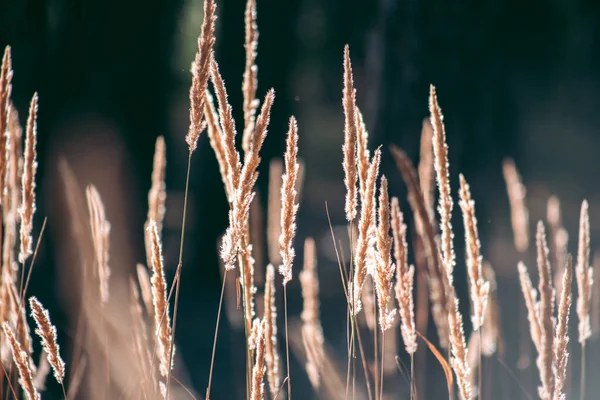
289, 207
532, 305
274, 210
384, 268
585, 275
404, 279
100, 228
561, 355
272, 353
362, 151
350, 137
362, 244
162, 321
480, 288
21, 360
28, 182
158, 192
518, 209
201, 73
258, 371
250, 73
440, 151
47, 332
6, 75
545, 360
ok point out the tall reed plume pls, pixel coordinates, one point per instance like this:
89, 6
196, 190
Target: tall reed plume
561, 339
100, 239
271, 350
519, 215
21, 360
350, 137
47, 332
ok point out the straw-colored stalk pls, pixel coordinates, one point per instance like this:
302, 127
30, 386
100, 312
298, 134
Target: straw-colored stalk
519, 215
426, 166
531, 303
350, 138
561, 355
100, 228
404, 279
480, 288
362, 244
162, 323
47, 332
289, 207
384, 268
440, 151
272, 352
250, 79
28, 182
200, 74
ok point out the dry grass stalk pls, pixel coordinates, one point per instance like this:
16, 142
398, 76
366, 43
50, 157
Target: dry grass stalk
440, 152
274, 210
561, 355
157, 195
47, 332
216, 140
460, 359
28, 182
21, 360
531, 302
272, 352
362, 151
350, 137
585, 275
201, 73
384, 268
559, 238
545, 360
289, 207
162, 323
13, 193
6, 74
258, 371
227, 128
250, 79
404, 279
312, 332
22, 328
362, 244
100, 237
479, 287
437, 281
146, 288
426, 166
491, 340
518, 209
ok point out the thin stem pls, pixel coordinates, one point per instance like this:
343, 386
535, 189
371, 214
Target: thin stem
375, 347
364, 361
480, 376
287, 347
381, 369
178, 272
412, 376
212, 359
582, 381
62, 385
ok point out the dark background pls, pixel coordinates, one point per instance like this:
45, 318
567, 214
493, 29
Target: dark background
514, 78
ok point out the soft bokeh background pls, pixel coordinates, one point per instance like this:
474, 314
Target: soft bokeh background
514, 78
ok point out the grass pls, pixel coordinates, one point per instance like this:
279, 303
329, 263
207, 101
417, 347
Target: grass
377, 235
